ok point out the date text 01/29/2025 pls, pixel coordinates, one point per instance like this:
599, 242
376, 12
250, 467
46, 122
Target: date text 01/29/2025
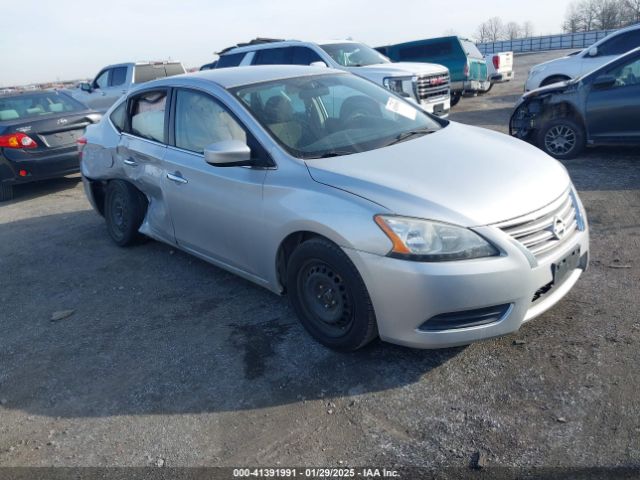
315, 473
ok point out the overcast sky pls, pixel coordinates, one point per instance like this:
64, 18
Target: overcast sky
46, 40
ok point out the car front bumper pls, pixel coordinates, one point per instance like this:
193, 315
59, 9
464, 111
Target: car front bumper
406, 294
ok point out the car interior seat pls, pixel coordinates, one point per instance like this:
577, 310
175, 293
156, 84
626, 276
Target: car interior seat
279, 116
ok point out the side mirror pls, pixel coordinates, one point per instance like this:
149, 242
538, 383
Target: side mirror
593, 52
318, 64
85, 87
228, 153
604, 81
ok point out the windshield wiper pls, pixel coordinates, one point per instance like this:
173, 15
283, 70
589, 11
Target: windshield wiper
411, 133
331, 153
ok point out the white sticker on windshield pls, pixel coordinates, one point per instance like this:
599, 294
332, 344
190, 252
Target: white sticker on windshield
396, 106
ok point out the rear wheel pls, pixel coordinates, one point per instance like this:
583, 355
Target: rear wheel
6, 192
125, 208
329, 296
561, 138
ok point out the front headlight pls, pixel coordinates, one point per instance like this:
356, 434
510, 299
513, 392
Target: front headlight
427, 241
401, 85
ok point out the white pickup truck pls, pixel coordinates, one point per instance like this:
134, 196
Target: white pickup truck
425, 83
499, 68
115, 80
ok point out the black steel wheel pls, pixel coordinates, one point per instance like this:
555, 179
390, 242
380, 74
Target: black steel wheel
125, 208
329, 296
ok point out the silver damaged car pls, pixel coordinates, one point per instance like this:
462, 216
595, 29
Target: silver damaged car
374, 217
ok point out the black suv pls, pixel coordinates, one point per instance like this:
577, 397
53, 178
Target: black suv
599, 108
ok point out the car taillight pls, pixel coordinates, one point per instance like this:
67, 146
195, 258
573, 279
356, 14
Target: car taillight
17, 140
466, 70
81, 142
496, 61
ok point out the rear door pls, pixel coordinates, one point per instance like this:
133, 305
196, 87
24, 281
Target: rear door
142, 151
217, 211
613, 113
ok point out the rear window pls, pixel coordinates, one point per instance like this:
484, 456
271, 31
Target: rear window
232, 60
32, 105
146, 73
470, 49
442, 48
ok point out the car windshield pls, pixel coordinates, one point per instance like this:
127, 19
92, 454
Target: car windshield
39, 104
354, 54
327, 115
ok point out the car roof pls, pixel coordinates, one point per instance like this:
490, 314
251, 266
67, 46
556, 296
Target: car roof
238, 76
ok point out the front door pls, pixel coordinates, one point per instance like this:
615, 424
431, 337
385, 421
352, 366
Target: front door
613, 112
216, 211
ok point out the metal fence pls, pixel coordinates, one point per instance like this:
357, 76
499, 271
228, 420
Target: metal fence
546, 42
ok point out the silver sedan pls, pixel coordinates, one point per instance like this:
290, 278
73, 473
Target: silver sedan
375, 218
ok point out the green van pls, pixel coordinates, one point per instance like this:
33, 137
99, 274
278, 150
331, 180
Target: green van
467, 67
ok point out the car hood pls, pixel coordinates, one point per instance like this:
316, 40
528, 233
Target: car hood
400, 69
552, 88
464, 175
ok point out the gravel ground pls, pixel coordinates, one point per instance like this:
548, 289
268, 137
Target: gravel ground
166, 360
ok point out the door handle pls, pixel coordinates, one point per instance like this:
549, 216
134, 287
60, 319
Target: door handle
130, 162
177, 178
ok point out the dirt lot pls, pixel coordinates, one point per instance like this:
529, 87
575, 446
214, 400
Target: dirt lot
167, 360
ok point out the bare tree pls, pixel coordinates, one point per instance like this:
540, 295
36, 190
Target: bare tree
528, 30
490, 31
573, 19
631, 11
512, 31
607, 14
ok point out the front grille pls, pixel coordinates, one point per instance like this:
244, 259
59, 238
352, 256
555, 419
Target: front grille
431, 86
546, 230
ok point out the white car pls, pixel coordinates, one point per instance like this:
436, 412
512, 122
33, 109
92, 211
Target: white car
425, 83
575, 65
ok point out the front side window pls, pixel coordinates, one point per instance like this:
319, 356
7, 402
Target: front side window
304, 56
273, 56
620, 44
118, 76
332, 114
354, 54
148, 115
201, 121
628, 74
102, 80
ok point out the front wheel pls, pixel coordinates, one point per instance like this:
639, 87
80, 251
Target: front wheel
561, 138
455, 98
329, 296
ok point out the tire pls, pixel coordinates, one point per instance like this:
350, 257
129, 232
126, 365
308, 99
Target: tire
124, 211
561, 138
455, 98
553, 79
329, 296
487, 90
6, 192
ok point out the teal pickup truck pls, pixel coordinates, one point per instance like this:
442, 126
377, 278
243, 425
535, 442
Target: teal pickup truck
467, 67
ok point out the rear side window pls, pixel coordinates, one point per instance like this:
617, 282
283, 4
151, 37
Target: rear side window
443, 48
304, 56
118, 76
148, 115
118, 116
231, 60
620, 43
273, 56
